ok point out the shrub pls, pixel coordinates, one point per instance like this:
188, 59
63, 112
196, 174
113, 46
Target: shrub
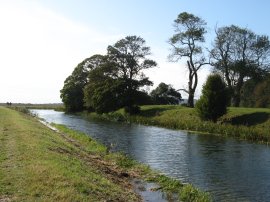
213, 101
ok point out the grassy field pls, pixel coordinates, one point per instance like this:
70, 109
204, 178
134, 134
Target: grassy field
55, 106
244, 123
38, 164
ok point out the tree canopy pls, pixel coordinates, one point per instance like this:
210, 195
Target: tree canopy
72, 92
239, 54
117, 80
165, 94
104, 83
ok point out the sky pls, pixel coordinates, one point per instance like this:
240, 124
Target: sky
42, 41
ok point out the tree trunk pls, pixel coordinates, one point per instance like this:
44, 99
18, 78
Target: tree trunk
236, 99
191, 99
192, 83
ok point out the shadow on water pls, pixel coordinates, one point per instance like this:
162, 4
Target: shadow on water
250, 119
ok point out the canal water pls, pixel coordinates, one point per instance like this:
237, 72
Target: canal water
231, 170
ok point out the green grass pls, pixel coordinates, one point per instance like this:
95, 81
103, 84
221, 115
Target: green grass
244, 123
38, 164
56, 106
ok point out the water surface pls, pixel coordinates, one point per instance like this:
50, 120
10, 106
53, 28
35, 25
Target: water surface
231, 170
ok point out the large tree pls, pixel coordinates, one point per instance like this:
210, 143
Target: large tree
129, 56
187, 43
117, 81
72, 92
239, 54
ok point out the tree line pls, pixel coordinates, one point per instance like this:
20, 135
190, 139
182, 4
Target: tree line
104, 83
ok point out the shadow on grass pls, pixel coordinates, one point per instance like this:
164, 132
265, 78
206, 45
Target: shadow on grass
155, 111
250, 119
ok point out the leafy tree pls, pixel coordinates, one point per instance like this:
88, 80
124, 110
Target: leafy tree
72, 92
118, 78
165, 94
129, 56
247, 93
213, 101
262, 93
239, 54
186, 43
103, 91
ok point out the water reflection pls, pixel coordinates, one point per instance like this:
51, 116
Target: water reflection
231, 170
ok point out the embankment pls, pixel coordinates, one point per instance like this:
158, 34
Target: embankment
251, 124
39, 164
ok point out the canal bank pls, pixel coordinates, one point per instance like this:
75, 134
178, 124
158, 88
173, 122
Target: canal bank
38, 163
230, 169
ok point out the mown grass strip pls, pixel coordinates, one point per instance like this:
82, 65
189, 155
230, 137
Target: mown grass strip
37, 164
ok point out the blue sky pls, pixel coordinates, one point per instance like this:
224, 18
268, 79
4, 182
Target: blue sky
41, 41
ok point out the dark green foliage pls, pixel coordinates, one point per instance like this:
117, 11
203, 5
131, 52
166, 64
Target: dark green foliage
262, 93
256, 93
72, 92
117, 80
165, 94
247, 93
238, 54
213, 101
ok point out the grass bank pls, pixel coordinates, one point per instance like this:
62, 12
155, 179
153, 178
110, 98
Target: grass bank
244, 123
38, 164
56, 106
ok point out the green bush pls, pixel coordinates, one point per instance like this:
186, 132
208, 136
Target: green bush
213, 101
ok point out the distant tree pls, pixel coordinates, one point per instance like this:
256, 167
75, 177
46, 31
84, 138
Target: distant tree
72, 92
129, 56
117, 80
103, 92
165, 94
247, 93
213, 101
186, 43
262, 93
240, 54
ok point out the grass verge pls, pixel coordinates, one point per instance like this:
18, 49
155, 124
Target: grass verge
38, 164
244, 123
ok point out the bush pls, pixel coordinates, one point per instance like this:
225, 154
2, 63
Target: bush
213, 101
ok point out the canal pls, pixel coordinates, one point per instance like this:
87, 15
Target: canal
231, 170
